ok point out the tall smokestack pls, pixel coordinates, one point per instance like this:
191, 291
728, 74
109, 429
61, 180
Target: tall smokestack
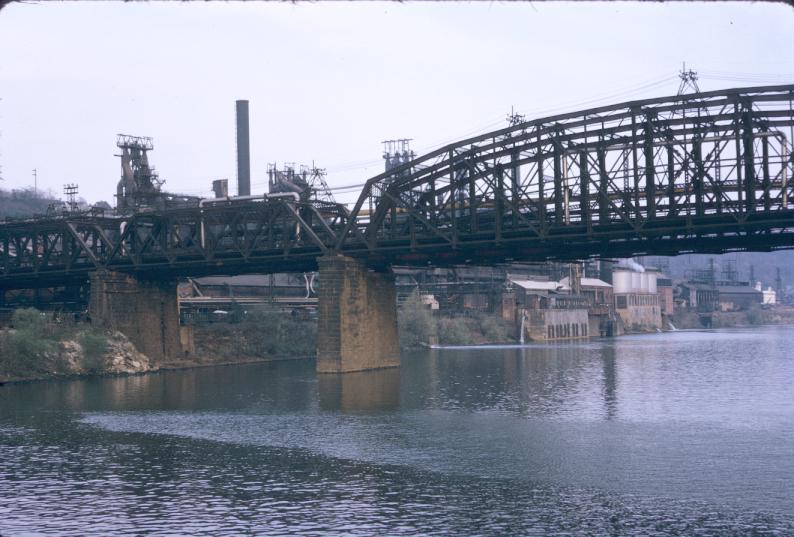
243, 150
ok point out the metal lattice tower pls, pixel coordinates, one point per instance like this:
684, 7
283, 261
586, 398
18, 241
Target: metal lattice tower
689, 81
514, 118
729, 272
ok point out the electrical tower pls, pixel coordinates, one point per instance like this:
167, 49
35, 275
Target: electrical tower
318, 184
689, 81
70, 191
729, 272
514, 118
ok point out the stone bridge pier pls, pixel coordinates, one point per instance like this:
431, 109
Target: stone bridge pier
357, 317
146, 312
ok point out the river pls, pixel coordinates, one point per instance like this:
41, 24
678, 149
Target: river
684, 433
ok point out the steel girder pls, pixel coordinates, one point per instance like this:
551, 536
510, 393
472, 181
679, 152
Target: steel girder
684, 164
702, 172
270, 235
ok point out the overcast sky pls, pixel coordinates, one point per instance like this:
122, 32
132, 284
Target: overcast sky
328, 82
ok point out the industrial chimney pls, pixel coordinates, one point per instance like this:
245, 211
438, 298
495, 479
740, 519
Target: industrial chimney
243, 150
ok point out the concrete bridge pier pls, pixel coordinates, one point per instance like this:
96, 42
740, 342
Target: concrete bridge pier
358, 317
146, 312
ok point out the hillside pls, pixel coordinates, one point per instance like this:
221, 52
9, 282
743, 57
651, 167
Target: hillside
25, 202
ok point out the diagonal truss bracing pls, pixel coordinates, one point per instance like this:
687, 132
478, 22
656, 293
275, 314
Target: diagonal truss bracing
702, 172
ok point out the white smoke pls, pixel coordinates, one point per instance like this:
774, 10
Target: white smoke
631, 265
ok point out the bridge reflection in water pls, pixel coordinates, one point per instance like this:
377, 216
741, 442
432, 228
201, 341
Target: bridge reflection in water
361, 391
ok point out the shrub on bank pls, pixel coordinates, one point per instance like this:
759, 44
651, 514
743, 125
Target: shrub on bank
756, 315
24, 351
494, 329
260, 333
95, 345
42, 344
279, 334
415, 322
454, 331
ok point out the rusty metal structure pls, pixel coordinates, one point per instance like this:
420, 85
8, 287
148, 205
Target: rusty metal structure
140, 187
306, 181
139, 184
702, 172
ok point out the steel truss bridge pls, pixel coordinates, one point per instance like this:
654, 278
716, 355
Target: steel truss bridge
704, 172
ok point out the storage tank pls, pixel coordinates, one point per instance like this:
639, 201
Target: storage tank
636, 281
652, 277
621, 280
645, 282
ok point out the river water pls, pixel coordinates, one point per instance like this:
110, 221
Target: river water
685, 433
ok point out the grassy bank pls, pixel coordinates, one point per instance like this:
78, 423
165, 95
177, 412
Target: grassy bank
419, 327
260, 335
755, 316
39, 345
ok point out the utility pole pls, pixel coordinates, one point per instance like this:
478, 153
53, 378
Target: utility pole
70, 191
35, 183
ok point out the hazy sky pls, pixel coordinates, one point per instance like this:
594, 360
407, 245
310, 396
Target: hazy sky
328, 82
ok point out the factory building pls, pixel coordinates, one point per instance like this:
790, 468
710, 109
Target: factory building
664, 285
739, 297
636, 296
602, 318
549, 312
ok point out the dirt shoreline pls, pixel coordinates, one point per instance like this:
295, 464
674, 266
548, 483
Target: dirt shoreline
180, 365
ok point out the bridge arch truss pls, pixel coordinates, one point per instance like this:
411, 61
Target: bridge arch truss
708, 171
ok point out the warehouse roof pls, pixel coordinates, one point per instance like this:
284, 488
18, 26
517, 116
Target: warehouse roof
588, 282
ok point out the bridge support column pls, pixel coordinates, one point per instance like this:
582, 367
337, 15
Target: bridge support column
358, 317
146, 312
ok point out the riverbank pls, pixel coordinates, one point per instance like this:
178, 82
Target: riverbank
756, 316
40, 346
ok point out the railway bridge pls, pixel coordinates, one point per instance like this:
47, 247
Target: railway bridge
704, 172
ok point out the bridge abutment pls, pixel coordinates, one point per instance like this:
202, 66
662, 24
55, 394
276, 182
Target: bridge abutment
146, 312
358, 317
